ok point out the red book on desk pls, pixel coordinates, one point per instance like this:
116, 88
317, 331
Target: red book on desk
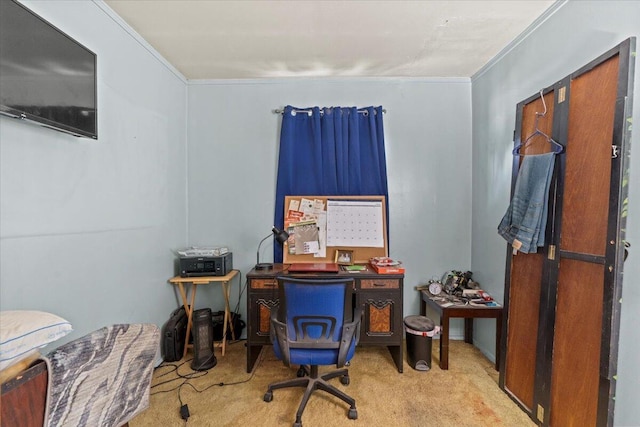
314, 267
385, 265
394, 269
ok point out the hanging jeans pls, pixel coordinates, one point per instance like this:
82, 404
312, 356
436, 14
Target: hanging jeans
524, 223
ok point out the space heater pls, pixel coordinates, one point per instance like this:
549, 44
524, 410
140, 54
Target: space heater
203, 357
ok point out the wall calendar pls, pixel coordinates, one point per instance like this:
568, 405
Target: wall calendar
355, 223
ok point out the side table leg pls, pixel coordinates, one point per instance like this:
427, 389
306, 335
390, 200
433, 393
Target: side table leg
468, 330
444, 342
189, 310
225, 293
185, 304
227, 305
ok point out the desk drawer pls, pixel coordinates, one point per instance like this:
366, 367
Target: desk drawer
264, 284
380, 284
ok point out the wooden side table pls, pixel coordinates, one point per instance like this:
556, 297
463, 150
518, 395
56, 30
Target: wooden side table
468, 312
181, 282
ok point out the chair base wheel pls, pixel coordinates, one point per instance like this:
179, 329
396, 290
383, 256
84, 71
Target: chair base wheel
353, 414
312, 383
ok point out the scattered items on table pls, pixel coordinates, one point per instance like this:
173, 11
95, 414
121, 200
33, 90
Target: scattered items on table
458, 288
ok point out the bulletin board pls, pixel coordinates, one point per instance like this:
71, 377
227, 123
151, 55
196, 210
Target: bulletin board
318, 226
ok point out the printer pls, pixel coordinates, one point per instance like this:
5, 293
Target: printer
198, 266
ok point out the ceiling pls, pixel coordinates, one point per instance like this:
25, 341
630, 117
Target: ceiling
254, 39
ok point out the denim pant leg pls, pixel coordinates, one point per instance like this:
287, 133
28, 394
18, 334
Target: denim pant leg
545, 206
524, 223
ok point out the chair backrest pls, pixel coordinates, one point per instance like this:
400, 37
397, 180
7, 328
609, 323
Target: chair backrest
315, 309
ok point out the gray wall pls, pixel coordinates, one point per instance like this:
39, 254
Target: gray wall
86, 226
233, 149
575, 34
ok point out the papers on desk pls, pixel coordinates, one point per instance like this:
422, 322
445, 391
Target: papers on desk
445, 300
483, 303
195, 251
354, 268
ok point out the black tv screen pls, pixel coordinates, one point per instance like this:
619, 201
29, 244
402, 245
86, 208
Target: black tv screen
45, 75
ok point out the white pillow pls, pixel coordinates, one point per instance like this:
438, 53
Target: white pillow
22, 331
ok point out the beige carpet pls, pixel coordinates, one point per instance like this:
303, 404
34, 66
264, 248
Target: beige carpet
465, 395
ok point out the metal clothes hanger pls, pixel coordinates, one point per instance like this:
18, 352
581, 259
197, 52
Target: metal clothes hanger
556, 146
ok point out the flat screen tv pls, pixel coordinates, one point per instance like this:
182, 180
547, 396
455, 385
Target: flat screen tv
45, 76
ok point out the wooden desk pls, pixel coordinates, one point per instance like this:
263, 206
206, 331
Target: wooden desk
468, 312
379, 295
181, 282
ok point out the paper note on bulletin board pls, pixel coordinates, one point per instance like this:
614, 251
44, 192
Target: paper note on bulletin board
355, 223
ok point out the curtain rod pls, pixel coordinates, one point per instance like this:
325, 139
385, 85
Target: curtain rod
302, 110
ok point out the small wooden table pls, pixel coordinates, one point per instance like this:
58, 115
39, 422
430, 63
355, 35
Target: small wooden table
468, 312
188, 307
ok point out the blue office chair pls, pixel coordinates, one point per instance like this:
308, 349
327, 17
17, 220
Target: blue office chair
310, 329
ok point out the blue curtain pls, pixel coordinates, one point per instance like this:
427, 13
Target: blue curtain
330, 151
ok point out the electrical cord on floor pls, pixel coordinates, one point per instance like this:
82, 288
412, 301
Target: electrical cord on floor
184, 382
184, 408
185, 378
222, 384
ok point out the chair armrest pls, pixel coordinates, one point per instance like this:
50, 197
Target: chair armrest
278, 331
350, 333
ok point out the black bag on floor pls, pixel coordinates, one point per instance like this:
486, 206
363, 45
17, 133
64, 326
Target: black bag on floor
174, 332
218, 325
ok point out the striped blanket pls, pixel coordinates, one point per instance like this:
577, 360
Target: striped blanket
102, 379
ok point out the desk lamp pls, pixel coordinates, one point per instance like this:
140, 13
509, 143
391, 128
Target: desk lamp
281, 236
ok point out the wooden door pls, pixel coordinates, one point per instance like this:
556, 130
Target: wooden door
562, 303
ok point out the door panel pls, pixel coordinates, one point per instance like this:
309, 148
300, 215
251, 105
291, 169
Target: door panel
526, 273
576, 348
522, 326
577, 337
588, 154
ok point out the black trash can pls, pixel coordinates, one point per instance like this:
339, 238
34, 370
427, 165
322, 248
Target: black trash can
419, 330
